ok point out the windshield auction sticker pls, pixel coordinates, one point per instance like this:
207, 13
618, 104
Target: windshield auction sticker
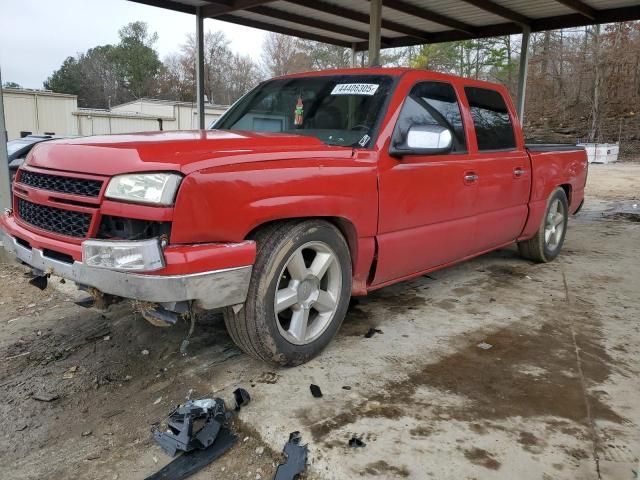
355, 89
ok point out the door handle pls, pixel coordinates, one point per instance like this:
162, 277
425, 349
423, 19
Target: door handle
518, 172
471, 177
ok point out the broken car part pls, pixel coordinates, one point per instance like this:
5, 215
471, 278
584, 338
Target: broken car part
180, 435
355, 442
315, 391
372, 332
296, 459
39, 281
241, 397
189, 463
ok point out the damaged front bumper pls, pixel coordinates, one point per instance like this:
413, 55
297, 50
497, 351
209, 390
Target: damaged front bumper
209, 289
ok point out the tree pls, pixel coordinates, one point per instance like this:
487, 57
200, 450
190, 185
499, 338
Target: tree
282, 55
11, 85
137, 59
110, 74
67, 79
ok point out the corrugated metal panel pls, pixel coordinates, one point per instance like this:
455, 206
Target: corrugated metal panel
286, 24
602, 4
312, 15
537, 9
461, 11
412, 21
39, 112
55, 114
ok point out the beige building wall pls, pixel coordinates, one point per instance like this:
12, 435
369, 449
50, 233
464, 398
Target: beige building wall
39, 112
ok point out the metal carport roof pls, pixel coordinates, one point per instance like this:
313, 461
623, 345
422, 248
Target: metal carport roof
407, 22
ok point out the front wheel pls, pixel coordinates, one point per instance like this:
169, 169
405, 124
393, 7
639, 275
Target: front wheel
298, 294
548, 241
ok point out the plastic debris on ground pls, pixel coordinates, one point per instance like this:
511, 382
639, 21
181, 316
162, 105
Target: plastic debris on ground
315, 391
296, 461
356, 442
485, 345
372, 332
198, 429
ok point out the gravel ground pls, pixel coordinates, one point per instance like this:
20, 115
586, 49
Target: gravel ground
555, 396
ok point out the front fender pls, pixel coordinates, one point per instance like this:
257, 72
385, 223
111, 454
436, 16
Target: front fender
224, 204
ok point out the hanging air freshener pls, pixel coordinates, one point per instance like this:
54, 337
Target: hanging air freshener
298, 113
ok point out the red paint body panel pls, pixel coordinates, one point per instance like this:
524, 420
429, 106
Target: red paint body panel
401, 217
179, 259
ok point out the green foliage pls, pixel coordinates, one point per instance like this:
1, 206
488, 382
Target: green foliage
11, 85
67, 79
487, 58
136, 59
111, 74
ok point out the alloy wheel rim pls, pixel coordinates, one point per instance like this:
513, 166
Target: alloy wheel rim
554, 225
307, 294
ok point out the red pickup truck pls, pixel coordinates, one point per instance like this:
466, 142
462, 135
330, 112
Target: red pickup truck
310, 189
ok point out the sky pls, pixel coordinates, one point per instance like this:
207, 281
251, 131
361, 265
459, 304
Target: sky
37, 35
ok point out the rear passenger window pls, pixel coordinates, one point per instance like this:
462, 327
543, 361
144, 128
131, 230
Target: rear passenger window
491, 119
432, 103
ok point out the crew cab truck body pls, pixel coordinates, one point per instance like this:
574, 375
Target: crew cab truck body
312, 188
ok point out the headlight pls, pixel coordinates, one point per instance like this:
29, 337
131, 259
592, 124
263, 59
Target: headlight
153, 188
139, 255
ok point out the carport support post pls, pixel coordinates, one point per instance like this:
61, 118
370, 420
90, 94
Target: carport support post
5, 187
200, 67
522, 75
375, 25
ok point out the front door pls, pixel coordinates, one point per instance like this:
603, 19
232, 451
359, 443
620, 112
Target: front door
426, 202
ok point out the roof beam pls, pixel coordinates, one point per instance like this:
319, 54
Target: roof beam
220, 7
310, 22
499, 10
356, 16
423, 13
248, 22
168, 4
580, 7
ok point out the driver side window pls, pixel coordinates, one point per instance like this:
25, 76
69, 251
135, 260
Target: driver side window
431, 103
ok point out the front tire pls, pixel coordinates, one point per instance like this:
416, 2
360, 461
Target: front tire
548, 240
298, 295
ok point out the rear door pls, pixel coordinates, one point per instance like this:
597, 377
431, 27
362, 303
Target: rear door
427, 202
503, 168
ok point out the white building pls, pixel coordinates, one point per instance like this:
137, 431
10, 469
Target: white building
43, 111
39, 111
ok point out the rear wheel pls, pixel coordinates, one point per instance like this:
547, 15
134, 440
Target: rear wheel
548, 241
298, 295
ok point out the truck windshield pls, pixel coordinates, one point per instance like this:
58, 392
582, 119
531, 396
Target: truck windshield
338, 109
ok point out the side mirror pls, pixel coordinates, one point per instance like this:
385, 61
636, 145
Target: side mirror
424, 140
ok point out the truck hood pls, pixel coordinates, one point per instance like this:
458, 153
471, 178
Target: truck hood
183, 151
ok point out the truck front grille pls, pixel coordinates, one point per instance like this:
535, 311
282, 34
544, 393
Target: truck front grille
56, 220
57, 183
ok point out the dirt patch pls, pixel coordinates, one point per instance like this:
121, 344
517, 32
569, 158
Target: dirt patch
382, 468
483, 458
497, 383
421, 431
627, 217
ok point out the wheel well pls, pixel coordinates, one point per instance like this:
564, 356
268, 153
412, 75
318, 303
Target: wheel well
567, 190
345, 226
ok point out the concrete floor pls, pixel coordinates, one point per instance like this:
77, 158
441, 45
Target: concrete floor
555, 397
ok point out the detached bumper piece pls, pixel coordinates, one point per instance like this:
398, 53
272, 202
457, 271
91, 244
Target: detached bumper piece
201, 446
296, 459
179, 434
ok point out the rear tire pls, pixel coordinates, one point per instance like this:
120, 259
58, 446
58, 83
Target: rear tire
548, 240
298, 294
